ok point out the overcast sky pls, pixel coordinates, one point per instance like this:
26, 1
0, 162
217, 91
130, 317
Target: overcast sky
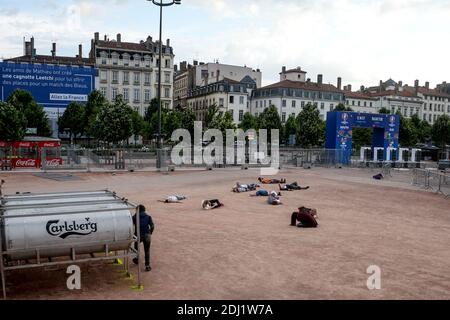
362, 41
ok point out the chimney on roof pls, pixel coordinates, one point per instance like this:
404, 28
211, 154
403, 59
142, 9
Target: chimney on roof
175, 67
380, 87
339, 83
106, 38
319, 79
195, 63
400, 84
119, 38
27, 48
349, 87
308, 80
427, 85
183, 66
258, 70
168, 43
53, 49
80, 51
416, 86
33, 50
96, 36
361, 88
283, 69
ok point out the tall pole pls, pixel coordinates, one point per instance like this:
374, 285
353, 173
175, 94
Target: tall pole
159, 80
158, 142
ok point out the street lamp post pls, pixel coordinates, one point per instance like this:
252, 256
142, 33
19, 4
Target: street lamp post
160, 4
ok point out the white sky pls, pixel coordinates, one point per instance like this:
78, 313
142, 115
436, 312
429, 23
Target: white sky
362, 41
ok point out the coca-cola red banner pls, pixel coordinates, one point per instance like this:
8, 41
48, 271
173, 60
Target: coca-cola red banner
26, 163
4, 144
53, 162
24, 144
49, 144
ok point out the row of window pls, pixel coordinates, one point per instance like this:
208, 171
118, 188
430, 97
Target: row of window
437, 107
298, 93
365, 104
136, 94
264, 104
115, 77
128, 60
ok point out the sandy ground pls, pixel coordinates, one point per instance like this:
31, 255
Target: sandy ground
247, 250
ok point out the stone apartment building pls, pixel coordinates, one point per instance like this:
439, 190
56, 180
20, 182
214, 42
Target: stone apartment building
131, 69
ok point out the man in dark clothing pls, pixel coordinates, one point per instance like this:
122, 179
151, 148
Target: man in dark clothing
146, 227
306, 217
292, 186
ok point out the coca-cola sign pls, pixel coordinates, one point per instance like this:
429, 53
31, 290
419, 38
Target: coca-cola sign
53, 162
25, 163
49, 144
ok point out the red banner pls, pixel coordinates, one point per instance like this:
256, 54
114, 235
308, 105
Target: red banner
26, 163
49, 144
53, 162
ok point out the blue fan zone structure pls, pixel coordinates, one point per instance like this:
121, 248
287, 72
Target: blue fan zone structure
340, 131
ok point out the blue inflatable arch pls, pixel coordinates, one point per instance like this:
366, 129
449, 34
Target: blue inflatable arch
340, 126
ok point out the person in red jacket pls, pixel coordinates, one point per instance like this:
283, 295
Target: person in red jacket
306, 216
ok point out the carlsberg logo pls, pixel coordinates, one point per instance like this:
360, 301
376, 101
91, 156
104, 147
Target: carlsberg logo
74, 228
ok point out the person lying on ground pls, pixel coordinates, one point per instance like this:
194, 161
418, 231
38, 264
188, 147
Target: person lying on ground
271, 181
274, 198
306, 216
211, 204
262, 193
292, 186
173, 199
378, 176
244, 187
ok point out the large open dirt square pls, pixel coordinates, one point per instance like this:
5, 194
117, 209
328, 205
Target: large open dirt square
247, 250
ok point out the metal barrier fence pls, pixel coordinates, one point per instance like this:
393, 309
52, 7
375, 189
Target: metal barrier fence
431, 179
312, 157
128, 159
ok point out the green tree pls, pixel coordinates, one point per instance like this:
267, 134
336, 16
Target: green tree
361, 137
34, 114
187, 120
248, 122
114, 122
290, 128
151, 110
138, 125
421, 127
72, 120
384, 110
12, 123
342, 107
407, 133
96, 101
441, 131
269, 119
211, 115
309, 126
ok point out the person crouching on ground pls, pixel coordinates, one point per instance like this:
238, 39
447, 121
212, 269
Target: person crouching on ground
306, 216
146, 227
291, 187
211, 204
274, 198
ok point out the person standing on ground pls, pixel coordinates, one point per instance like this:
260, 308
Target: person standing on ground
146, 227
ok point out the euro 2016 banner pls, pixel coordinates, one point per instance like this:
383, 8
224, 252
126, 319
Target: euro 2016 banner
52, 86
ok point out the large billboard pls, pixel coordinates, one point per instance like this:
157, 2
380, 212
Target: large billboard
52, 86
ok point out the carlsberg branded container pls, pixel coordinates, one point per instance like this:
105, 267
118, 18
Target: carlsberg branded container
58, 224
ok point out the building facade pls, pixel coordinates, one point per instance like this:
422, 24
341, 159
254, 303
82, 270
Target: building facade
293, 92
227, 86
427, 103
131, 70
229, 95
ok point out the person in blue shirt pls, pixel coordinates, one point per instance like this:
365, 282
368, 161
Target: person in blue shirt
146, 227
